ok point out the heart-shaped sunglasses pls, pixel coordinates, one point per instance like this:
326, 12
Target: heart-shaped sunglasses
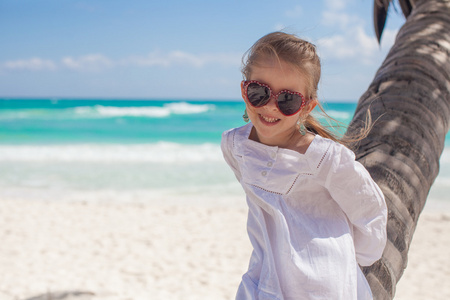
258, 94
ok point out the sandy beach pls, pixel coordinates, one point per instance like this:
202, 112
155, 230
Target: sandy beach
89, 250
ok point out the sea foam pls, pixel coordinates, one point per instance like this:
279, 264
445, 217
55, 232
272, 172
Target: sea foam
145, 111
161, 152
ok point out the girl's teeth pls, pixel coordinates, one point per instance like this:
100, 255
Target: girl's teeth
270, 120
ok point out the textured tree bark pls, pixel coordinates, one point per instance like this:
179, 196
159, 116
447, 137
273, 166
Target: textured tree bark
410, 97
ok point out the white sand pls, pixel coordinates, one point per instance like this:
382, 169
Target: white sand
135, 251
428, 272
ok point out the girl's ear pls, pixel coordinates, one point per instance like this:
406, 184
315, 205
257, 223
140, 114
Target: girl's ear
311, 105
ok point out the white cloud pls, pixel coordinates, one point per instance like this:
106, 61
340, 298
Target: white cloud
351, 41
335, 47
340, 20
99, 62
90, 62
388, 38
296, 12
33, 64
152, 59
336, 4
354, 44
184, 58
157, 58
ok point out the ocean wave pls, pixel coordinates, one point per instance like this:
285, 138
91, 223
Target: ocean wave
181, 108
339, 114
162, 152
445, 156
103, 111
10, 114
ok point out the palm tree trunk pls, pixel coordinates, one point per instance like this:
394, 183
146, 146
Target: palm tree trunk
410, 97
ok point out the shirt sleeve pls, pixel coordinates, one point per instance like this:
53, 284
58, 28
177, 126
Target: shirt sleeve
352, 187
226, 145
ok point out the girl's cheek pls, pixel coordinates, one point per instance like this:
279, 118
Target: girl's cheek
251, 109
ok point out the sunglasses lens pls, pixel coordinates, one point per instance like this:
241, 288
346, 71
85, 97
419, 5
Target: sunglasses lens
289, 104
258, 95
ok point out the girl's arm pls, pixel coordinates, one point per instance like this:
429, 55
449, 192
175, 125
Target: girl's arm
352, 187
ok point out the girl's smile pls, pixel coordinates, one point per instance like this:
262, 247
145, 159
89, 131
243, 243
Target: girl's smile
267, 120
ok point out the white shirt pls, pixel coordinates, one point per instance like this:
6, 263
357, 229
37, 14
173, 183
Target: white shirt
312, 219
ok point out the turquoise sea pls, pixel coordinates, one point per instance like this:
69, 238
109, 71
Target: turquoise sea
130, 150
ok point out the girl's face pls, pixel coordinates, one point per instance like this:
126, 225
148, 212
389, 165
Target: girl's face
272, 127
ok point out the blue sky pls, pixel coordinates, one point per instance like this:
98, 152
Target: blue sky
176, 49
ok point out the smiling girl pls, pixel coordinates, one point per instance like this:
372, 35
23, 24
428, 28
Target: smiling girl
315, 214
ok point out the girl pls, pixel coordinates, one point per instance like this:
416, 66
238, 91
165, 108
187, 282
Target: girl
314, 212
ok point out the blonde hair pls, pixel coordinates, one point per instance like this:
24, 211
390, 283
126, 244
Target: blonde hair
303, 56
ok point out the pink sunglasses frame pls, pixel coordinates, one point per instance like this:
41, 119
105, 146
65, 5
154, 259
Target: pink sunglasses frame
246, 83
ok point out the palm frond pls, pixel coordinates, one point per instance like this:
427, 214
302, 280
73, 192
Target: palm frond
380, 10
406, 7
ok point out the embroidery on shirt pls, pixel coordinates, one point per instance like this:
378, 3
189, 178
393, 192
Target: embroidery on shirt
323, 157
292, 185
265, 190
305, 174
234, 134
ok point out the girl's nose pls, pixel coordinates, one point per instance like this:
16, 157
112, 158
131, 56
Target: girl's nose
272, 104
